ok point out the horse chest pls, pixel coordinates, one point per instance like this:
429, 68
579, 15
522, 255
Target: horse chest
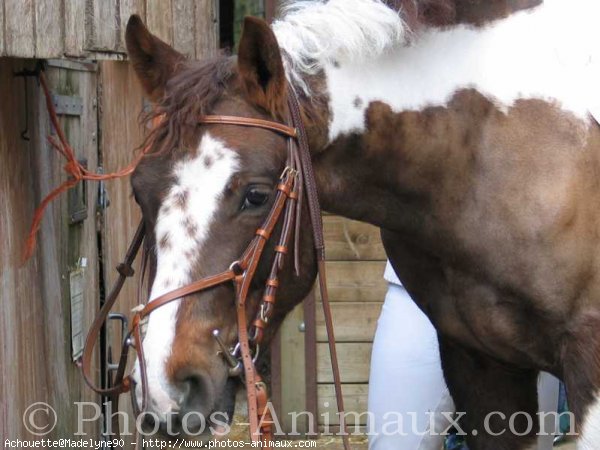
472, 310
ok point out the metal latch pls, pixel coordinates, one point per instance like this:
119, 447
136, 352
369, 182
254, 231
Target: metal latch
77, 199
76, 291
111, 365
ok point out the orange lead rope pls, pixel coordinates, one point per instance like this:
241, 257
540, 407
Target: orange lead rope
74, 169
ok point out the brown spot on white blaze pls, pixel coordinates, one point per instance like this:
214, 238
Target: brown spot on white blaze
358, 102
191, 228
181, 199
164, 242
208, 161
234, 184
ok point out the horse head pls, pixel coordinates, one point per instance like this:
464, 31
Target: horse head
204, 190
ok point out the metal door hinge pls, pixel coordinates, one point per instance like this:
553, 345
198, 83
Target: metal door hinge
67, 105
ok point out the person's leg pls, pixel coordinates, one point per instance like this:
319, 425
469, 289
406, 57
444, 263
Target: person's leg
548, 391
406, 381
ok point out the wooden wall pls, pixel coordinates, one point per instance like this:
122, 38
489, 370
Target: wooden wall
36, 317
356, 262
95, 28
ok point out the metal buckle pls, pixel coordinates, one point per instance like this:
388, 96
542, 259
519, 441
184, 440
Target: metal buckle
236, 268
290, 171
256, 354
263, 313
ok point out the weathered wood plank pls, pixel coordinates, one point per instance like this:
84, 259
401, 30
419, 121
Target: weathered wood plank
184, 29
2, 29
121, 103
353, 322
350, 240
293, 370
128, 8
355, 281
74, 27
62, 245
49, 24
20, 292
34, 321
207, 28
354, 360
93, 28
19, 34
102, 33
355, 402
159, 19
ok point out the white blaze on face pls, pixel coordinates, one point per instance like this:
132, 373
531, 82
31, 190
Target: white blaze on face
550, 53
190, 205
590, 435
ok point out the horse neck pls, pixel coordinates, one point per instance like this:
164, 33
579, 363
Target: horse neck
380, 168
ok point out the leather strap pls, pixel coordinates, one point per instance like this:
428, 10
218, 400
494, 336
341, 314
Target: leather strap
192, 288
125, 270
250, 122
310, 183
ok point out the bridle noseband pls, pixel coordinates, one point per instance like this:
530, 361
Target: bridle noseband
296, 182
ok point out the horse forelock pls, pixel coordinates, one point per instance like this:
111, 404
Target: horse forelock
191, 93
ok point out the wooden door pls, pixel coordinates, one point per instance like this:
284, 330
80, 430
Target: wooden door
47, 303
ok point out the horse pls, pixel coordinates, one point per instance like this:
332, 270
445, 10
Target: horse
461, 128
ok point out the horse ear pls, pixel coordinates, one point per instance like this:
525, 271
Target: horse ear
154, 61
261, 67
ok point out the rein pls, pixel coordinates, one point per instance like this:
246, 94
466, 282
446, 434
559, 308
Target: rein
296, 182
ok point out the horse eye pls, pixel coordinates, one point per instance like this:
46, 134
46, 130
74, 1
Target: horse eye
255, 198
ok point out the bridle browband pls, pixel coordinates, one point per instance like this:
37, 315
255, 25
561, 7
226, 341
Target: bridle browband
296, 182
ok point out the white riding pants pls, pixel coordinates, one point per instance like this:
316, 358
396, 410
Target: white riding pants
407, 391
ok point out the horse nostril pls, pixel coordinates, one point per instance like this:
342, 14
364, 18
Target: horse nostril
149, 422
197, 400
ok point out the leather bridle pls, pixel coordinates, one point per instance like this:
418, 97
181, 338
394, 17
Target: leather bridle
296, 182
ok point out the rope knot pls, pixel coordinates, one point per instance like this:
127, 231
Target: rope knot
73, 168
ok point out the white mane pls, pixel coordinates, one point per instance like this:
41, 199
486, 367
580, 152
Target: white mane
315, 33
